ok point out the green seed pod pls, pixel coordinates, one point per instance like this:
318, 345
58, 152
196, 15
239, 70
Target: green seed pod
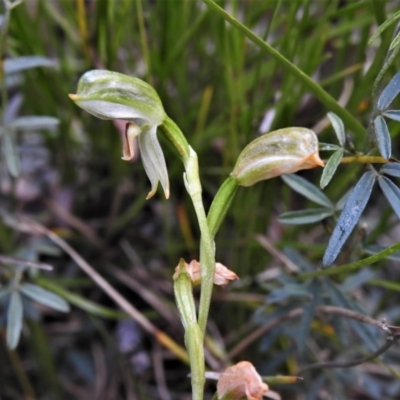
280, 152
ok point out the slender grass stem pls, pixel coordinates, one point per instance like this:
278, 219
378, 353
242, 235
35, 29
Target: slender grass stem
314, 87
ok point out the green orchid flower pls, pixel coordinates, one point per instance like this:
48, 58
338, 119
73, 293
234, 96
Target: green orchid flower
114, 96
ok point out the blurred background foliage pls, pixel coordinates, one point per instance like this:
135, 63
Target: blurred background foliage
223, 92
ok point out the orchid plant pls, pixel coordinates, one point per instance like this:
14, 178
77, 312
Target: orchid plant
114, 96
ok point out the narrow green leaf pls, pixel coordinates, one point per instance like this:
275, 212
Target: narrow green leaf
383, 27
338, 126
392, 169
328, 147
330, 168
14, 320
395, 41
392, 114
305, 216
12, 65
45, 297
383, 137
349, 217
391, 192
10, 153
34, 122
307, 189
389, 93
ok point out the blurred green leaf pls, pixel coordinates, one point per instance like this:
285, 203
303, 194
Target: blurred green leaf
13, 65
4, 291
383, 137
14, 320
34, 122
392, 169
338, 126
395, 41
307, 317
10, 153
330, 168
305, 216
45, 297
349, 217
307, 189
389, 93
391, 192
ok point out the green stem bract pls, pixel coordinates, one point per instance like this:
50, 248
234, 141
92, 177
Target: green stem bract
220, 205
316, 89
194, 345
193, 335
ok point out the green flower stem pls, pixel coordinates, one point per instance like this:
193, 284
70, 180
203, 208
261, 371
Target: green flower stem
314, 87
194, 333
207, 256
220, 205
177, 138
364, 160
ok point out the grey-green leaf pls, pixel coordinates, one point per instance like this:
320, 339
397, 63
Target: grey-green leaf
338, 126
12, 65
14, 320
389, 93
328, 147
349, 217
392, 169
44, 296
330, 168
391, 192
383, 137
34, 122
305, 216
307, 317
10, 153
392, 114
307, 189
